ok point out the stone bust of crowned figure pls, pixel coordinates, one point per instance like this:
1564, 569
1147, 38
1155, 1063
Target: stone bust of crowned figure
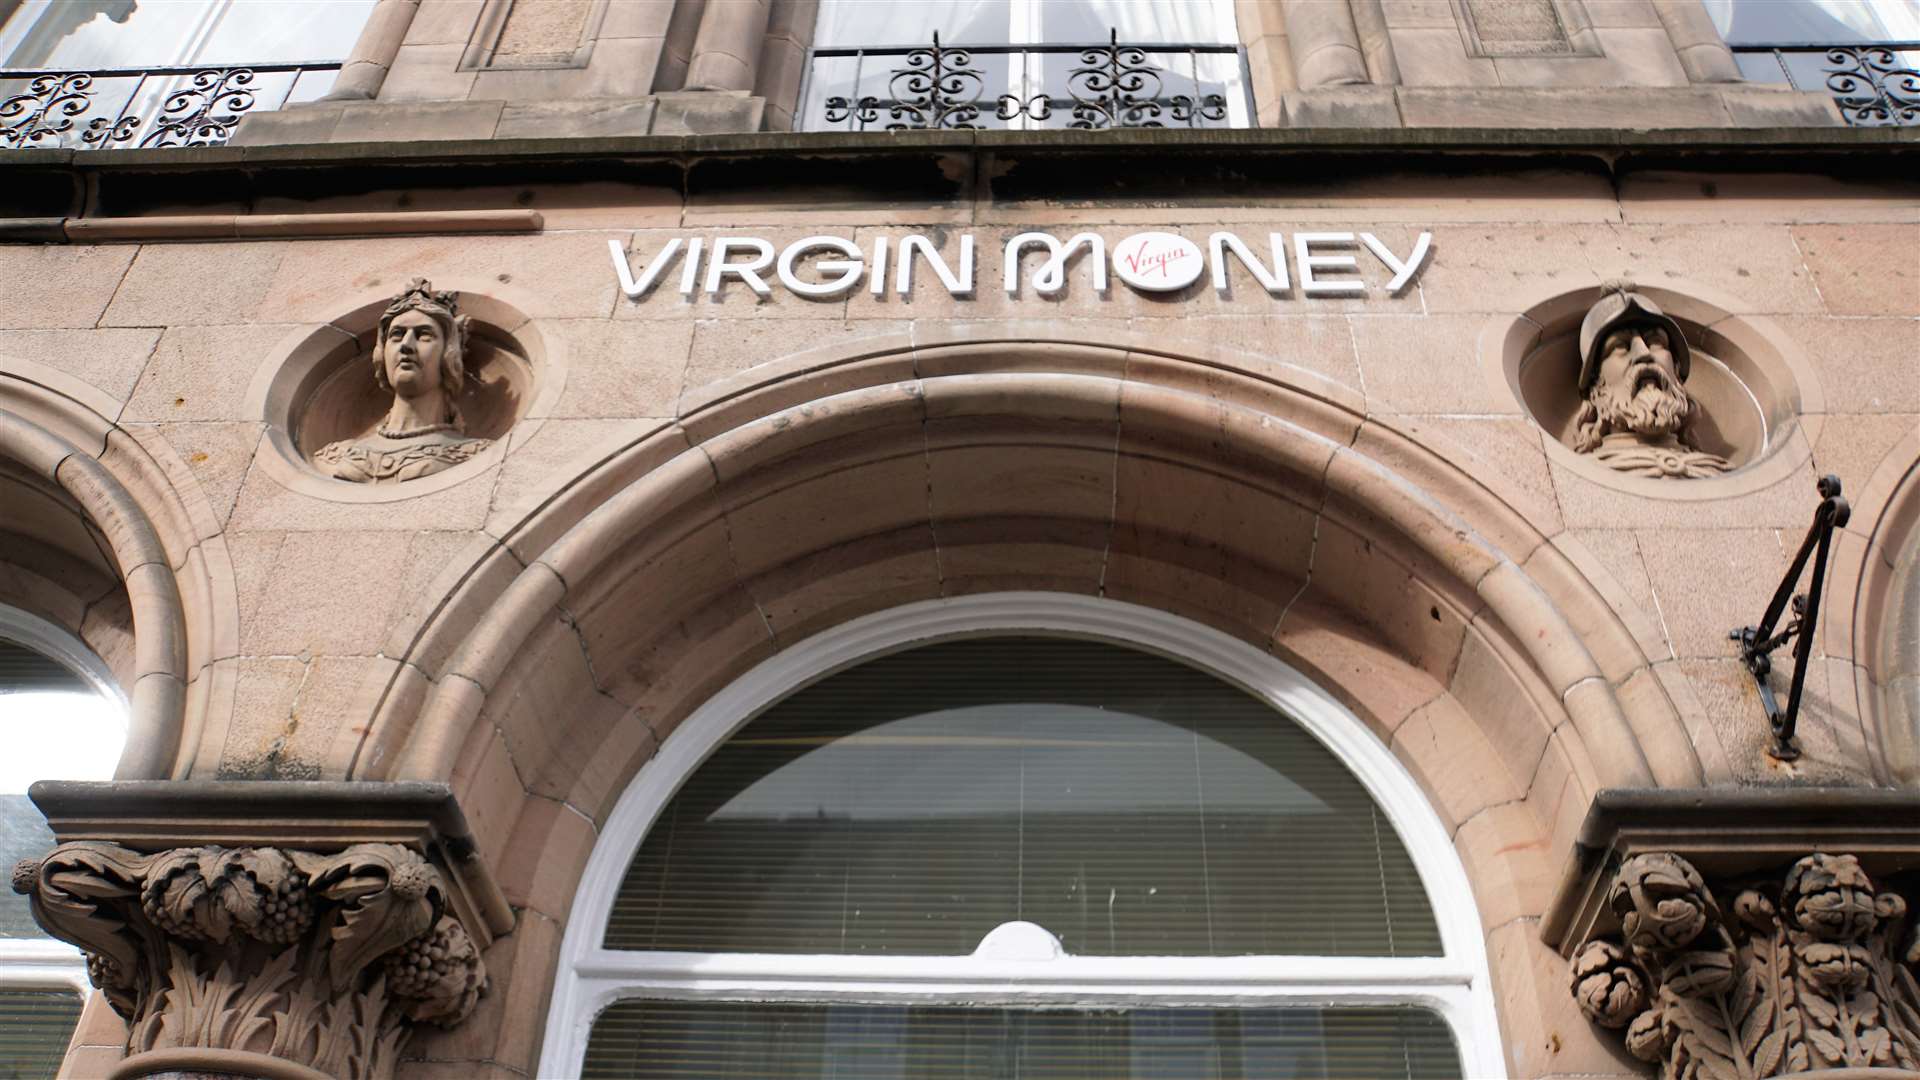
419, 355
1634, 362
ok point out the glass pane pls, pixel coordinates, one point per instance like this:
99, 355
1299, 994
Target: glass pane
1127, 803
729, 1041
82, 34
1824, 22
54, 725
35, 1026
887, 22
1140, 22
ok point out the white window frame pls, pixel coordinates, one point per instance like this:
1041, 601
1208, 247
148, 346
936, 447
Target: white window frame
44, 963
1455, 985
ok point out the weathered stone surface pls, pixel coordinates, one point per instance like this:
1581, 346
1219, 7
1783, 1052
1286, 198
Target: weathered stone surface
110, 360
1343, 107
431, 118
1533, 107
1850, 265
574, 119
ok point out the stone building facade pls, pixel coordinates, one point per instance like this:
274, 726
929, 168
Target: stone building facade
442, 468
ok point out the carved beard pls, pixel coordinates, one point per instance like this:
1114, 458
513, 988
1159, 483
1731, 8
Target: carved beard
1655, 405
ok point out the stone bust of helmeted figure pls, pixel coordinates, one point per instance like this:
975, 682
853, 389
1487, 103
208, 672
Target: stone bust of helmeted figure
1634, 362
419, 355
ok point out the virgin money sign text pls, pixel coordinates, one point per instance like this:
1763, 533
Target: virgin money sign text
1306, 264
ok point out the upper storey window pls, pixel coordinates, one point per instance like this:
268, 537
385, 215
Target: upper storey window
93, 73
1866, 53
1026, 64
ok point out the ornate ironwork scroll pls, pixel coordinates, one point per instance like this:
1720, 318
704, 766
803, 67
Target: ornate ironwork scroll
1758, 642
1117, 87
939, 88
76, 110
1872, 88
45, 112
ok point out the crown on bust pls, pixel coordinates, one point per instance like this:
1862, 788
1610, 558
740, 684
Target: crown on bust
419, 294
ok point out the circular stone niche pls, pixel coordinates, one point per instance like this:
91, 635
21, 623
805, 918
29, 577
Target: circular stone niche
1744, 378
319, 388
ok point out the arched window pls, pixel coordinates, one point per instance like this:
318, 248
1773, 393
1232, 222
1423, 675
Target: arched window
1041, 836
61, 717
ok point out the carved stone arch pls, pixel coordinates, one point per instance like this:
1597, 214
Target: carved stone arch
811, 490
1873, 628
117, 509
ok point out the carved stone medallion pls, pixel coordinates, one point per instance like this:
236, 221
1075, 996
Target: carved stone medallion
1634, 363
419, 355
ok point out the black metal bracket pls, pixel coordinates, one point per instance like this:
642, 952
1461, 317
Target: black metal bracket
1758, 642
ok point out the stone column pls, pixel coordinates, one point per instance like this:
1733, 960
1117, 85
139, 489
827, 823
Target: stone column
1370, 23
1325, 43
676, 53
261, 962
1703, 55
726, 51
367, 66
268, 931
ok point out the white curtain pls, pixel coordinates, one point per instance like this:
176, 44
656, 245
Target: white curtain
1815, 21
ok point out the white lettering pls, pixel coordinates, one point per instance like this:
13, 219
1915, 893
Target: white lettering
879, 285
691, 271
1309, 263
848, 268
634, 287
719, 267
1274, 281
961, 285
1403, 272
1051, 277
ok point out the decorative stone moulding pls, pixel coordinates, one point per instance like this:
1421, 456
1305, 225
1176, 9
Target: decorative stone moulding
296, 932
317, 391
1738, 935
1749, 383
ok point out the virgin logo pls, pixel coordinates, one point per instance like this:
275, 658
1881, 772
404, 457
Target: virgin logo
1157, 261
1149, 261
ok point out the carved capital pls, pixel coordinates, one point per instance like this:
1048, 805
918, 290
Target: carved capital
1807, 970
319, 959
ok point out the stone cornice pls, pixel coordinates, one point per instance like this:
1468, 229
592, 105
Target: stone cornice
323, 816
1726, 833
58, 196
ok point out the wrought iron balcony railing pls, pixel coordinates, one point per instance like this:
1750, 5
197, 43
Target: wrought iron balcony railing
1874, 85
1112, 85
147, 107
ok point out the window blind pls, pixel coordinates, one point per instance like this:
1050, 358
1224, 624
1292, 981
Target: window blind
1129, 804
35, 1026
765, 1041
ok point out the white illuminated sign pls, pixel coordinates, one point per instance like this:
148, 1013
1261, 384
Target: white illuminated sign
1324, 263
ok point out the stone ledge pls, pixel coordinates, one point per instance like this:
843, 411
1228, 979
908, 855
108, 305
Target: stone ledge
1725, 832
155, 815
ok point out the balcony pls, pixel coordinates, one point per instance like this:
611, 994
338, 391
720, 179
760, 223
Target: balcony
148, 107
1089, 86
1874, 85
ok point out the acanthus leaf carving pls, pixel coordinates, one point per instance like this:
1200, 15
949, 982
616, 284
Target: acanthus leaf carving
324, 959
1804, 974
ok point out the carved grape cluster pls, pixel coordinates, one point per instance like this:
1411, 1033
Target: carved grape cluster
440, 971
285, 912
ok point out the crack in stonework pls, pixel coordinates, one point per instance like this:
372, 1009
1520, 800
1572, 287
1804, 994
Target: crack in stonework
733, 557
